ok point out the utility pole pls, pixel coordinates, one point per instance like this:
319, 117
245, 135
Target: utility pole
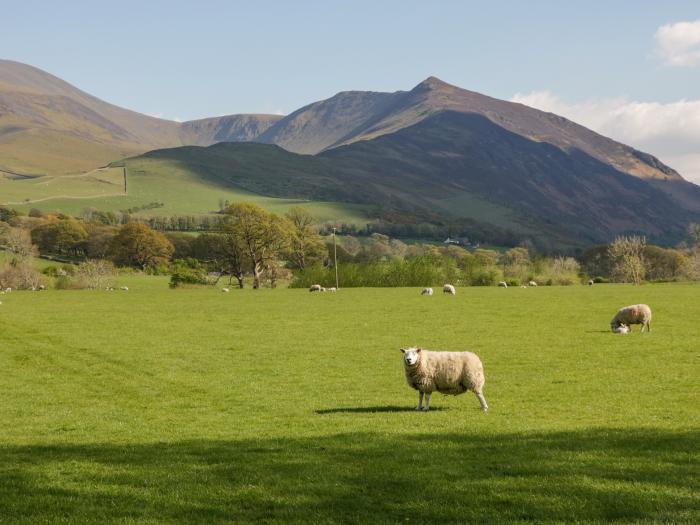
125, 179
335, 260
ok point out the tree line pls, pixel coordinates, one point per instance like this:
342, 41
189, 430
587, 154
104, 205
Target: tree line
253, 244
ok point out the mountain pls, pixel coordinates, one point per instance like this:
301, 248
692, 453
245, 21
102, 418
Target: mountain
450, 166
48, 126
436, 153
354, 116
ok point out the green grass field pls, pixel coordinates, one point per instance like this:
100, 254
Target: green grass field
159, 406
180, 191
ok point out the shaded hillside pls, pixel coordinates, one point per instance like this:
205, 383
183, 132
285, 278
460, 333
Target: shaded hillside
444, 166
231, 128
354, 116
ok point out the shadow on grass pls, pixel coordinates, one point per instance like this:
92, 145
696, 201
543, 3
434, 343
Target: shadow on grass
595, 476
371, 410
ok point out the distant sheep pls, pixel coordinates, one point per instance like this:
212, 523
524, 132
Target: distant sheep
503, 284
532, 283
332, 289
445, 372
427, 291
8, 290
523, 286
124, 288
590, 282
315, 288
449, 289
41, 287
225, 290
634, 314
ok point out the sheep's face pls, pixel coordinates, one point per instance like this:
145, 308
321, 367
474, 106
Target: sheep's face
622, 329
411, 355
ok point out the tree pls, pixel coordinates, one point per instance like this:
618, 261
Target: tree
694, 234
96, 273
18, 242
63, 237
222, 253
515, 262
627, 254
305, 244
139, 246
262, 235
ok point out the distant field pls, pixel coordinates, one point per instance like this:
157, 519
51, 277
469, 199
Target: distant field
279, 406
180, 191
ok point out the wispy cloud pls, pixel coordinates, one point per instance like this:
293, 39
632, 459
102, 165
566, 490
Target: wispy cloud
679, 44
669, 131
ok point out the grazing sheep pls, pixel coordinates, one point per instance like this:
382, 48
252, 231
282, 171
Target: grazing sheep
124, 288
315, 288
225, 290
503, 284
622, 329
532, 283
449, 289
633, 314
523, 286
333, 289
445, 372
590, 282
8, 290
427, 291
41, 287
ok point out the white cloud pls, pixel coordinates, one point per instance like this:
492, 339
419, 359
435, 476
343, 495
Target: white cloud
679, 44
668, 131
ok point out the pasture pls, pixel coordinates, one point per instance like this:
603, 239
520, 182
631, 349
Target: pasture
162, 406
180, 191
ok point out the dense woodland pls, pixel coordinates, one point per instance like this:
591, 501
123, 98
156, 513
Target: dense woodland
246, 244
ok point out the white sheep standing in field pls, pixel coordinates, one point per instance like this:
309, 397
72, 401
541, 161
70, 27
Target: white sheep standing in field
590, 282
445, 372
315, 288
427, 291
225, 290
124, 288
633, 314
449, 289
503, 284
332, 289
532, 283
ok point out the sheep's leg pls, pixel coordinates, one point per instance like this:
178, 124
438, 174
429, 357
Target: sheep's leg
427, 402
420, 401
482, 401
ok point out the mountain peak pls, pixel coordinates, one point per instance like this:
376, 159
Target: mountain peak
432, 83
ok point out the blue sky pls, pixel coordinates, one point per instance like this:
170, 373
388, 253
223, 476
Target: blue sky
190, 60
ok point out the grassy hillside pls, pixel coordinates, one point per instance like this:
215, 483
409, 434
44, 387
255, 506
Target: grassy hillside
48, 126
179, 189
280, 406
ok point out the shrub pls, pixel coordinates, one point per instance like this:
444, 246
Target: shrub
20, 274
95, 274
188, 271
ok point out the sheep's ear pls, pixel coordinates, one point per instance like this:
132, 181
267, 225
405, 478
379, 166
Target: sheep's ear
418, 349
403, 350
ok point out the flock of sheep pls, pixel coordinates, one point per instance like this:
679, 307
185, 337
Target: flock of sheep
457, 372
